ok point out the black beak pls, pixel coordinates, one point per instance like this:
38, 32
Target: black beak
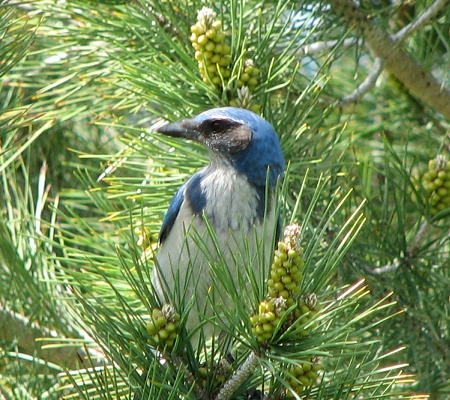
183, 129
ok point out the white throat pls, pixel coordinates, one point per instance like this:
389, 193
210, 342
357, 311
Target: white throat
231, 201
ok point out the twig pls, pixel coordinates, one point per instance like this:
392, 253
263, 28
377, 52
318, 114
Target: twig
415, 245
384, 269
148, 11
366, 85
236, 380
418, 239
420, 21
130, 148
400, 63
321, 47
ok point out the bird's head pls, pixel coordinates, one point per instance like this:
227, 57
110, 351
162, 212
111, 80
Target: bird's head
236, 137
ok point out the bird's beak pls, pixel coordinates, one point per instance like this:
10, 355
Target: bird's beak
183, 129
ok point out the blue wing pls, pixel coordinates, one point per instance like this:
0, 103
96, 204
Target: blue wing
172, 213
190, 191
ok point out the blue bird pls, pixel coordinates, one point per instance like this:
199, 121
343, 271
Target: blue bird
225, 213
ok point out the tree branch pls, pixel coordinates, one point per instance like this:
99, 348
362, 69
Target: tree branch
321, 47
366, 85
240, 376
412, 250
420, 21
398, 62
28, 335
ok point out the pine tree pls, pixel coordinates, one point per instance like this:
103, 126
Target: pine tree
356, 303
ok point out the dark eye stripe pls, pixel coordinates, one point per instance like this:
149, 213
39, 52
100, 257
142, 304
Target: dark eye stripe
217, 126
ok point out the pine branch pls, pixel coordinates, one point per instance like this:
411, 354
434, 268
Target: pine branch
420, 21
238, 378
33, 337
323, 46
141, 56
366, 85
399, 62
417, 241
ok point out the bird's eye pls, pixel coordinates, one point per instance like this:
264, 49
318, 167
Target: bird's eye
216, 126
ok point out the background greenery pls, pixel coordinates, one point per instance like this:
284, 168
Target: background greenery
83, 82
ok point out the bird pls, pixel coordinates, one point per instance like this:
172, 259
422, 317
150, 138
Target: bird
224, 214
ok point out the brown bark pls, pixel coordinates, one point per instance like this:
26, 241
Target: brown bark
399, 62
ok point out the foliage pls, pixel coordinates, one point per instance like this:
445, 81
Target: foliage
85, 182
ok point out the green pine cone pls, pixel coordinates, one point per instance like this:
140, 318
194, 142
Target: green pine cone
303, 375
285, 273
284, 291
163, 326
307, 308
269, 315
436, 182
249, 76
211, 52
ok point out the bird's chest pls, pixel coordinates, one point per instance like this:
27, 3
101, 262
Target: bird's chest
228, 227
230, 202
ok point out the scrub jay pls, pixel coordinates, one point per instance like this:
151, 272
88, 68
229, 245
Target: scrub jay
225, 214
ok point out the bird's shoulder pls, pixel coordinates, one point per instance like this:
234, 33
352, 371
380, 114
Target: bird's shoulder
172, 213
226, 196
189, 190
